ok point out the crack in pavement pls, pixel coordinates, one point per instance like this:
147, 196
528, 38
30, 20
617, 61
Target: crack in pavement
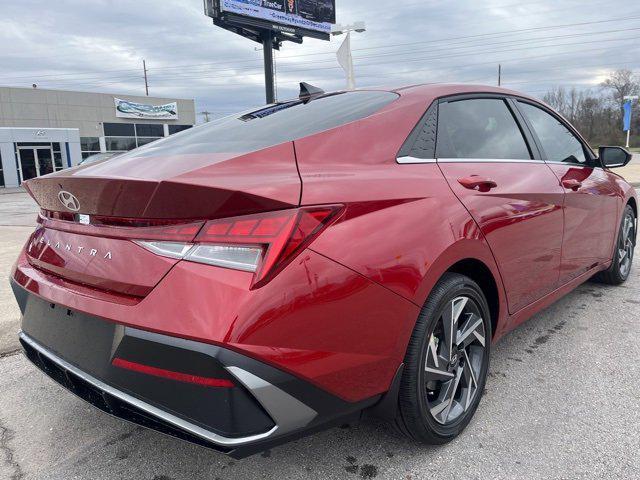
10, 353
6, 435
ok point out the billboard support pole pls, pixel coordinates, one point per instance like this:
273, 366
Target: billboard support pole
267, 48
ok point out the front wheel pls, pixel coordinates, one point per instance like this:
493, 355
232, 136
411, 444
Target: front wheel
622, 261
446, 362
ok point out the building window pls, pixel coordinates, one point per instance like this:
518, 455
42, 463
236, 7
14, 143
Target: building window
144, 140
149, 130
121, 137
89, 146
119, 130
178, 128
120, 144
57, 156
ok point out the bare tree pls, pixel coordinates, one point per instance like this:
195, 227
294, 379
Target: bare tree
620, 84
597, 114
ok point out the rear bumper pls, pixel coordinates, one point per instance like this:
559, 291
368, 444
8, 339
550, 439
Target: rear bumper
264, 406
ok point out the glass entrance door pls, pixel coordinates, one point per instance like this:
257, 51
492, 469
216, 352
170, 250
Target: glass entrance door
45, 161
35, 162
28, 163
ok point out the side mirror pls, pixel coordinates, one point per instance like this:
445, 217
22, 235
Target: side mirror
613, 157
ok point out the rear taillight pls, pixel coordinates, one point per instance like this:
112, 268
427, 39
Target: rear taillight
264, 243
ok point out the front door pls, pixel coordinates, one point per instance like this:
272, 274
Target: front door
591, 201
35, 162
514, 198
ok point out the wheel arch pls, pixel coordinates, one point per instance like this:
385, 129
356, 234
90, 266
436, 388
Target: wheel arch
480, 273
633, 204
472, 257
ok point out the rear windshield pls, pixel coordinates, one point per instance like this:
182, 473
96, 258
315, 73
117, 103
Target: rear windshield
271, 125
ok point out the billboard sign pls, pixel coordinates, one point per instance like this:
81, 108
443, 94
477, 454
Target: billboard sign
306, 15
128, 109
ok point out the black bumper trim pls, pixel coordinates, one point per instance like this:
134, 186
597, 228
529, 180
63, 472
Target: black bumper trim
60, 349
110, 399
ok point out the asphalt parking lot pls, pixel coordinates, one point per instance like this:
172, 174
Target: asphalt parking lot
562, 402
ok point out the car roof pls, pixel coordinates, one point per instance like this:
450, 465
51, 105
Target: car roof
437, 90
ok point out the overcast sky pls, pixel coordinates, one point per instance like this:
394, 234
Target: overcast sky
99, 45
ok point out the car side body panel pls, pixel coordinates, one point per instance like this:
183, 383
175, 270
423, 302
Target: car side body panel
521, 219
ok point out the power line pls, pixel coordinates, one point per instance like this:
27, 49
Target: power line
448, 54
383, 75
386, 46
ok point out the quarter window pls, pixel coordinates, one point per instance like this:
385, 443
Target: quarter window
558, 143
479, 128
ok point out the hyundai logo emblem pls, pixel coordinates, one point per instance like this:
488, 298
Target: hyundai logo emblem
69, 201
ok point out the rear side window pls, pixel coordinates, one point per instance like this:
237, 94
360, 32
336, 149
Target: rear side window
558, 143
272, 125
479, 128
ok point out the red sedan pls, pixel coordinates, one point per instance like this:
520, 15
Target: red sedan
286, 269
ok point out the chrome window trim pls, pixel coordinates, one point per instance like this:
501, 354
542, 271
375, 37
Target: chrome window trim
276, 402
584, 165
488, 160
414, 160
409, 160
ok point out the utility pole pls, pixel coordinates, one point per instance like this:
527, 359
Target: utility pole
267, 49
206, 114
499, 74
146, 83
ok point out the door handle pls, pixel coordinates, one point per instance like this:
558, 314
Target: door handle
572, 184
474, 182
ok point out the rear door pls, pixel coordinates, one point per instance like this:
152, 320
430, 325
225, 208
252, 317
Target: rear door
591, 202
495, 170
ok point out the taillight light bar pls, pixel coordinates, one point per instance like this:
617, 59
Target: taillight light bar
126, 228
263, 243
172, 375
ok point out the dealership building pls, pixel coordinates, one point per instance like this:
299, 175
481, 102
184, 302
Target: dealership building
42, 131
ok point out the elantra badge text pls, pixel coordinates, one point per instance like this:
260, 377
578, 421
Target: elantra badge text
69, 248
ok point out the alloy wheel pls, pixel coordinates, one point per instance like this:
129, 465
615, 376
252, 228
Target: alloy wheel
454, 360
626, 245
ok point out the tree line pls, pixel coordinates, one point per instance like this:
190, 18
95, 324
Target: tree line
597, 113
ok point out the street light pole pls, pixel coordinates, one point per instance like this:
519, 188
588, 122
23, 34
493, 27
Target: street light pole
345, 59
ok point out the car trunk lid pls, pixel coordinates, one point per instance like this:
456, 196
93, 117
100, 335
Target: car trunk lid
90, 240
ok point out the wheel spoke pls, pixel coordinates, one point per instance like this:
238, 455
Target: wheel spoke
470, 380
623, 254
474, 330
441, 409
435, 374
436, 365
628, 225
451, 394
450, 318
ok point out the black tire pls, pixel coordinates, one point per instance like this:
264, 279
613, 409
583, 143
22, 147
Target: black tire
620, 267
415, 418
